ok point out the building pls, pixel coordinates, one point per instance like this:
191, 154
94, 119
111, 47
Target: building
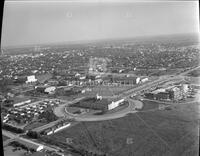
144, 79
98, 103
31, 79
126, 80
50, 90
55, 129
115, 104
175, 93
22, 103
98, 97
30, 144
185, 88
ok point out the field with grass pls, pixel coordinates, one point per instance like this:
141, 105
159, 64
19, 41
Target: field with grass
11, 151
109, 90
34, 125
5, 137
154, 133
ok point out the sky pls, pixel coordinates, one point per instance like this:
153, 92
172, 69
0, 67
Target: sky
34, 22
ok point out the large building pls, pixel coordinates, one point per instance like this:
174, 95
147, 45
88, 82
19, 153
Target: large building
170, 93
97, 103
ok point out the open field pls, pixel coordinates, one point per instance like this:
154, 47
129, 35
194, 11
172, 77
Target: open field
160, 132
149, 105
194, 73
193, 80
5, 137
34, 125
10, 151
108, 90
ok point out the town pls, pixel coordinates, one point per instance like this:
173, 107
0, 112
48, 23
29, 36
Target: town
52, 89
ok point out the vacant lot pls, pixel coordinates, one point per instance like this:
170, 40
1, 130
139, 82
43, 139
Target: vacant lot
109, 90
5, 137
194, 73
156, 133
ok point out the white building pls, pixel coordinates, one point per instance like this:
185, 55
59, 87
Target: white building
115, 104
144, 80
50, 90
184, 88
82, 78
31, 79
137, 80
98, 97
21, 103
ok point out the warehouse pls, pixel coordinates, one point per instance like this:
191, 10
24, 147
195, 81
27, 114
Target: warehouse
30, 145
97, 103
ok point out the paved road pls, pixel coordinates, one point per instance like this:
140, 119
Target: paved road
11, 136
60, 110
121, 113
126, 95
15, 137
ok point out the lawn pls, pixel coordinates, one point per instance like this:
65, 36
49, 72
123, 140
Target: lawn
5, 137
151, 133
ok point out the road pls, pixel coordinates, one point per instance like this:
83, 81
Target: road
16, 137
121, 113
126, 95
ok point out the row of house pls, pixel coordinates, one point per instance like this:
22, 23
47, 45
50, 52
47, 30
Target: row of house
26, 113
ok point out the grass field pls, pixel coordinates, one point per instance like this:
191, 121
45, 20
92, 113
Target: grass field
108, 90
34, 125
10, 151
5, 137
168, 132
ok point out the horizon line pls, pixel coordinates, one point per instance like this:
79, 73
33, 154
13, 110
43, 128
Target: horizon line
98, 40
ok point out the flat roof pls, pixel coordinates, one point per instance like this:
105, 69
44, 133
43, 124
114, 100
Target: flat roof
28, 144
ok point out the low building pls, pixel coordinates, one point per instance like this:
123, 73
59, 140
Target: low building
126, 80
30, 145
50, 90
98, 97
115, 104
31, 79
22, 103
144, 79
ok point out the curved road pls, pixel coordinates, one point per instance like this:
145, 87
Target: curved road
62, 111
